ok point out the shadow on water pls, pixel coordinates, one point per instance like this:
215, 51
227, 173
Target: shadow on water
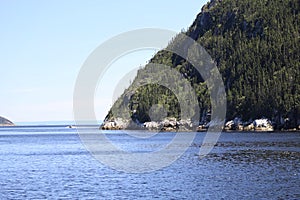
255, 156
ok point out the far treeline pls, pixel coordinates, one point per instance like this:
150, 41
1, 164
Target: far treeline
255, 45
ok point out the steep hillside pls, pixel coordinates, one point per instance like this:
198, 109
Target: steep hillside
254, 43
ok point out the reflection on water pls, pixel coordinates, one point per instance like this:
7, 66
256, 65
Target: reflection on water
51, 162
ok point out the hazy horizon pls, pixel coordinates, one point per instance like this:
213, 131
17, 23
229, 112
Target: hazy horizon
44, 45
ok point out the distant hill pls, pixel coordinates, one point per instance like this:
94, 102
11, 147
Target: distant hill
53, 123
256, 46
5, 122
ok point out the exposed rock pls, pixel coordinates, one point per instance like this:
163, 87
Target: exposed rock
185, 125
114, 124
5, 122
235, 124
256, 125
170, 122
152, 125
262, 125
248, 43
167, 124
202, 128
249, 127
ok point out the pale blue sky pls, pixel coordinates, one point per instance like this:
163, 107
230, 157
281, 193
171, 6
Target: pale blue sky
43, 44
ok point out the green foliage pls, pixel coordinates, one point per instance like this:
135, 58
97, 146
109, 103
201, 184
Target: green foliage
255, 44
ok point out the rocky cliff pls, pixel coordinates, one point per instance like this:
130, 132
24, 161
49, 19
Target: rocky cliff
255, 45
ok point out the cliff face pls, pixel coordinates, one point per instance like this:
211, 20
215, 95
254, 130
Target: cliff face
5, 122
254, 43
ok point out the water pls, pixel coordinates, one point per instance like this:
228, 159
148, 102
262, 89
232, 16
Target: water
51, 163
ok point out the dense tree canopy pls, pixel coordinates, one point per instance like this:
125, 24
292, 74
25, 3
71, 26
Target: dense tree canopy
255, 45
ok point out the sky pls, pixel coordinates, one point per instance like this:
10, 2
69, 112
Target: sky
43, 45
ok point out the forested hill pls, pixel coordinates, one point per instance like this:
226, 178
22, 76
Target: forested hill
5, 122
255, 44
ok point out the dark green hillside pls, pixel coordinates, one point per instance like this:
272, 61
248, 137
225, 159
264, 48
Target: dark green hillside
255, 44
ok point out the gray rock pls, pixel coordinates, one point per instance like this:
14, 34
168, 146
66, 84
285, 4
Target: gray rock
5, 122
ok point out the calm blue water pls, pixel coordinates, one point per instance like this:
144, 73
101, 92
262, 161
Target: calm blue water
52, 163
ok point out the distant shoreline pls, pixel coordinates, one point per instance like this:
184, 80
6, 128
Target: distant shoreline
98, 126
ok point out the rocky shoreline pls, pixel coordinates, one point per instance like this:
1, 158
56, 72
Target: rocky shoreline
168, 125
173, 125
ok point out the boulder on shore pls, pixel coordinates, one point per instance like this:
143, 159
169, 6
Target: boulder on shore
152, 125
114, 124
256, 125
262, 125
168, 124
